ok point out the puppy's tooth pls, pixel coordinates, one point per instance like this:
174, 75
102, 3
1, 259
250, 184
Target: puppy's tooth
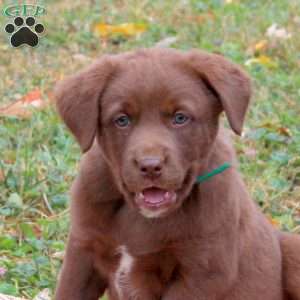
141, 196
171, 196
174, 197
167, 195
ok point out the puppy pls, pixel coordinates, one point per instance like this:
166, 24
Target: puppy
142, 227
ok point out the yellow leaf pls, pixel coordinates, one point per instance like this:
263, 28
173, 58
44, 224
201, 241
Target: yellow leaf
125, 29
261, 60
261, 45
265, 60
270, 124
231, 1
273, 221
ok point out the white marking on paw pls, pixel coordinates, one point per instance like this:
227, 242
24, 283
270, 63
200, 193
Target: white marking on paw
121, 281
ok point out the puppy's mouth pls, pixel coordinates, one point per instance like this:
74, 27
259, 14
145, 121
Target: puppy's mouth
155, 198
155, 201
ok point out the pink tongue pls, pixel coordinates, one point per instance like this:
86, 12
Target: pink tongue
154, 195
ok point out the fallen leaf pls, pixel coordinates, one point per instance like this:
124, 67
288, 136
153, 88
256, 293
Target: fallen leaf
274, 31
262, 60
270, 124
166, 42
284, 131
296, 19
258, 47
43, 295
231, 1
58, 255
202, 18
125, 29
276, 126
273, 221
23, 107
261, 46
2, 176
7, 297
81, 57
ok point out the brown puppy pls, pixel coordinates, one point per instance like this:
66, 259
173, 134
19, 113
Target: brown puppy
141, 227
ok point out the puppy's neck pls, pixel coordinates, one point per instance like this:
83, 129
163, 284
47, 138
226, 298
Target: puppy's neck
218, 197
222, 151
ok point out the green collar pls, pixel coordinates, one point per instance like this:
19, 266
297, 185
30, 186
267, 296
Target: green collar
222, 168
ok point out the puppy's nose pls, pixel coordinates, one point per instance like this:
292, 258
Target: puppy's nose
150, 167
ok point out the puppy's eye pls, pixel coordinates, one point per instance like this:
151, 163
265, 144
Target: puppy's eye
180, 119
122, 121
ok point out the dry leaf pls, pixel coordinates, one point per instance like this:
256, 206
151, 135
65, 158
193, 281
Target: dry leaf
231, 1
261, 60
276, 126
202, 18
7, 297
258, 47
273, 221
296, 19
166, 42
269, 124
278, 33
81, 58
125, 29
2, 177
261, 46
43, 295
23, 107
58, 255
284, 131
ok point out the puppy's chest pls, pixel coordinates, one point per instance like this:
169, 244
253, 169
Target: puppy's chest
143, 276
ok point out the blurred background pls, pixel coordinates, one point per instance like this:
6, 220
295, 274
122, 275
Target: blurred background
39, 157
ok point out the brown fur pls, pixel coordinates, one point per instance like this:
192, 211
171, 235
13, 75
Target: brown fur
213, 242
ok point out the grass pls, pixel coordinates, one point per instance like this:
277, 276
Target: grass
39, 157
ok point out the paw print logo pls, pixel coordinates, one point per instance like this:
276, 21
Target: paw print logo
24, 32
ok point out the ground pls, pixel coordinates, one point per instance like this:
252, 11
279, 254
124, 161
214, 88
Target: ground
39, 157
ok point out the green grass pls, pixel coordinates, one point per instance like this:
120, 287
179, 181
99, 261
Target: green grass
39, 157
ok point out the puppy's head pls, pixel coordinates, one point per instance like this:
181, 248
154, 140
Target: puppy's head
155, 115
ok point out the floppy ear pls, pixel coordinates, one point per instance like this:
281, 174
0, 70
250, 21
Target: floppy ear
77, 100
227, 81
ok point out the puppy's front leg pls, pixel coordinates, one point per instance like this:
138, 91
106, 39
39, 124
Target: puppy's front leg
179, 290
200, 286
290, 248
78, 279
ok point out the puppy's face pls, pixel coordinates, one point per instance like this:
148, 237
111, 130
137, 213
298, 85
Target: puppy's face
155, 117
157, 123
